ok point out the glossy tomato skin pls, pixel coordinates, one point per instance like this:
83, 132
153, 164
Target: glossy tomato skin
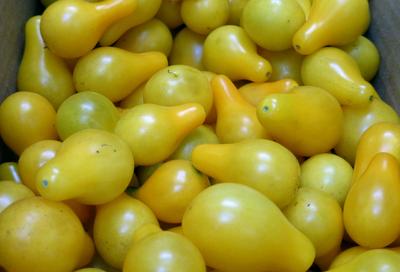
177, 85
171, 188
371, 211
258, 163
10, 171
152, 35
328, 173
115, 225
26, 118
35, 157
380, 137
319, 216
104, 158
234, 227
164, 251
372, 260
85, 110
44, 236
202, 16
356, 120
11, 192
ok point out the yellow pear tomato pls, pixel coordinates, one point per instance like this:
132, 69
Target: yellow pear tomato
178, 84
33, 158
41, 235
153, 132
307, 120
115, 72
254, 93
380, 137
11, 192
347, 255
271, 24
328, 173
164, 251
237, 228
356, 120
319, 216
365, 53
202, 16
241, 60
261, 164
85, 110
372, 208
188, 49
92, 166
115, 225
152, 35
26, 118
236, 118
170, 189
371, 260
170, 13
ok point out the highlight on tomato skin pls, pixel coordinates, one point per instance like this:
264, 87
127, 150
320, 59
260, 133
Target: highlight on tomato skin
199, 135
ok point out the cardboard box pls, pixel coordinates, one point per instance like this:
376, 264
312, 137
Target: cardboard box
384, 31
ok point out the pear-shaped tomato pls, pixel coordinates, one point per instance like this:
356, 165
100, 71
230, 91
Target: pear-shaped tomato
153, 132
261, 164
234, 226
92, 166
372, 207
307, 120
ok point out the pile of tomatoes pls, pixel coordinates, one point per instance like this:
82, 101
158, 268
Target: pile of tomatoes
199, 135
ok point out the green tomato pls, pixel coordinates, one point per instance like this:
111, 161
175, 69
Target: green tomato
85, 110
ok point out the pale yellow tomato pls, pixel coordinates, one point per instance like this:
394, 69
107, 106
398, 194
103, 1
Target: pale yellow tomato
11, 192
115, 225
328, 173
164, 251
234, 226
